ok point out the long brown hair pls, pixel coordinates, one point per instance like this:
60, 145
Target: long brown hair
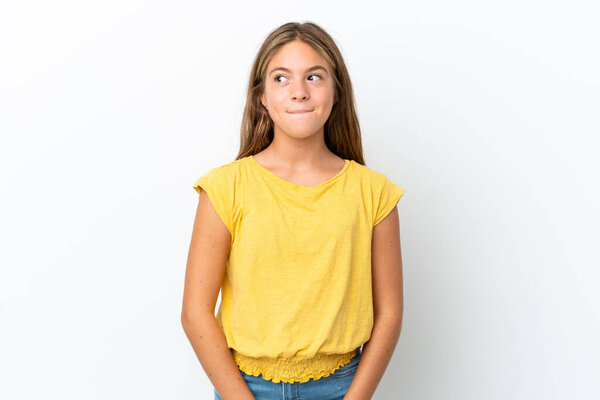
342, 130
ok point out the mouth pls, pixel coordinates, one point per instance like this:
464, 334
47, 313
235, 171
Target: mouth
300, 111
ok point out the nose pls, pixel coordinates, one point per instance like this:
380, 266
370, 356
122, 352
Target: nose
298, 90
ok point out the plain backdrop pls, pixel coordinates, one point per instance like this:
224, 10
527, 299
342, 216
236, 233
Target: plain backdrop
486, 113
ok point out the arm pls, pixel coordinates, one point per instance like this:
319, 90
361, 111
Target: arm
207, 257
388, 306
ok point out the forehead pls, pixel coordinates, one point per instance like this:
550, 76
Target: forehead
296, 56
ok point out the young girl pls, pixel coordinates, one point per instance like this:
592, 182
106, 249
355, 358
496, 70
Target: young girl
301, 237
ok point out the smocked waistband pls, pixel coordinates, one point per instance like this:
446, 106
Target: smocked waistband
291, 369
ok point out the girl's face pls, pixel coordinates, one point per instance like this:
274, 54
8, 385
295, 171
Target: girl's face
298, 79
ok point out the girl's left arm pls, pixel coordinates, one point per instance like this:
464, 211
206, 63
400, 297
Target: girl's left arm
388, 307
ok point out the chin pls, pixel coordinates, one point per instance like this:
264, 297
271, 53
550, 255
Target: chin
303, 134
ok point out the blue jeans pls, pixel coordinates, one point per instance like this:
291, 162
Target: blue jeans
332, 387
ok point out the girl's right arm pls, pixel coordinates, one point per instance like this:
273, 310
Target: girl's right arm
207, 257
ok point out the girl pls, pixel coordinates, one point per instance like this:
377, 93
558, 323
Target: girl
301, 237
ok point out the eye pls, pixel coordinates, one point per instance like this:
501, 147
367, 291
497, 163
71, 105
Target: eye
276, 78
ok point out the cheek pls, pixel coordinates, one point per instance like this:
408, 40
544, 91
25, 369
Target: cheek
276, 99
326, 94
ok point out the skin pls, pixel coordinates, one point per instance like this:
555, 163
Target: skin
388, 308
298, 152
299, 155
207, 257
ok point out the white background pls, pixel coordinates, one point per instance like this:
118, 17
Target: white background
486, 113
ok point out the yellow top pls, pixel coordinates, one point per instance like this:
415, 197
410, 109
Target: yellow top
296, 300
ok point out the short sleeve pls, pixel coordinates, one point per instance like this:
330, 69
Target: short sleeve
388, 196
219, 192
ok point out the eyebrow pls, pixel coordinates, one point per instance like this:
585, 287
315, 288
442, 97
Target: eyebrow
308, 70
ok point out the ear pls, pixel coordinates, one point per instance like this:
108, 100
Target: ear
262, 100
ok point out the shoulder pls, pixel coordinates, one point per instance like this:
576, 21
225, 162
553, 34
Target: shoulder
228, 170
382, 192
223, 176
378, 183
368, 176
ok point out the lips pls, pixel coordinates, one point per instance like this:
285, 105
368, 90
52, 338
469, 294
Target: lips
299, 111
